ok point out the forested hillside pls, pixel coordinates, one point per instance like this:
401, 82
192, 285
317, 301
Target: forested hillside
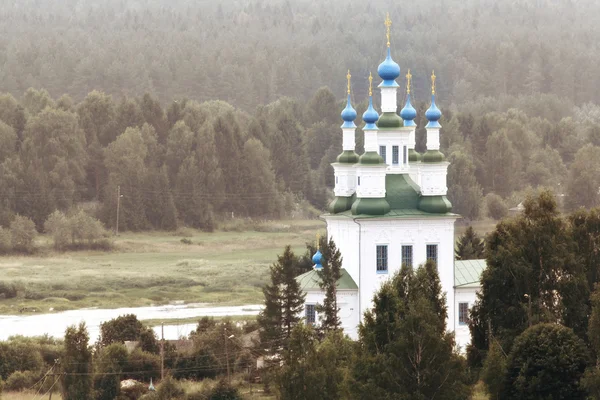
201, 110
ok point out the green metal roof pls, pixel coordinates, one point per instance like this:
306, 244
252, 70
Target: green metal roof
467, 273
398, 213
401, 192
310, 281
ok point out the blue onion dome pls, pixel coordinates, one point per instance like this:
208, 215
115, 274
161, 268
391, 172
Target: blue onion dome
348, 115
408, 113
388, 70
317, 258
433, 114
370, 116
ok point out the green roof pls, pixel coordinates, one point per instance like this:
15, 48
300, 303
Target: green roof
467, 273
401, 192
398, 213
310, 281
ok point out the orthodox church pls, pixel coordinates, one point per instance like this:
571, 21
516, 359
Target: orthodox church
390, 208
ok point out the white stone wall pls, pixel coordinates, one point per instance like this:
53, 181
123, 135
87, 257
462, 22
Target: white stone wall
347, 301
389, 99
345, 179
433, 178
463, 335
372, 181
361, 244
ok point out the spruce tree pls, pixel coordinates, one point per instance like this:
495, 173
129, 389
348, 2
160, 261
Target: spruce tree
284, 302
330, 275
470, 246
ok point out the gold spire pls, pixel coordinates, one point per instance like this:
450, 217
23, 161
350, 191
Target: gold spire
318, 240
388, 24
433, 82
348, 77
370, 84
408, 78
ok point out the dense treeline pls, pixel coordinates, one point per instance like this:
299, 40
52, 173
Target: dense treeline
255, 51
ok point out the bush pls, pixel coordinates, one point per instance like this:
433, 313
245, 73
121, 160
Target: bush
23, 233
8, 290
169, 389
186, 241
77, 231
496, 208
21, 380
5, 241
547, 361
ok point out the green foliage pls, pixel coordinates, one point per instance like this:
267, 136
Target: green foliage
464, 192
584, 179
547, 361
531, 276
496, 207
16, 355
330, 274
284, 301
109, 363
128, 328
405, 349
314, 370
169, 389
76, 364
469, 246
78, 231
23, 233
21, 380
494, 371
5, 241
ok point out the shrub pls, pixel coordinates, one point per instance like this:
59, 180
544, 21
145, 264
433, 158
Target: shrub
169, 389
186, 241
21, 380
77, 231
8, 290
547, 361
5, 241
23, 233
496, 208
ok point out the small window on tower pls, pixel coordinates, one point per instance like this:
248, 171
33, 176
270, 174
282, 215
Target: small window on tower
463, 313
382, 152
407, 256
359, 181
405, 155
395, 155
336, 180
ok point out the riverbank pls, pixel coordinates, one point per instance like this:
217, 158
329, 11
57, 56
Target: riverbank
227, 268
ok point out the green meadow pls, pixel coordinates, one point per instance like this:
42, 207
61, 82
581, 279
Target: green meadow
228, 267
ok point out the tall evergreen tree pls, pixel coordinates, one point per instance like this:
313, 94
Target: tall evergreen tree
330, 275
469, 246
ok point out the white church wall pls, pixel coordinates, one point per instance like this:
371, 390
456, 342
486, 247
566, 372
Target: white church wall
462, 333
347, 301
394, 233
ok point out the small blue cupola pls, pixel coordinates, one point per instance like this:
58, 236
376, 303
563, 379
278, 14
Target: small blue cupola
370, 116
388, 70
348, 113
317, 259
408, 113
433, 114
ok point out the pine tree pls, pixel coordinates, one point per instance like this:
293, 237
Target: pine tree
470, 246
292, 294
330, 275
270, 317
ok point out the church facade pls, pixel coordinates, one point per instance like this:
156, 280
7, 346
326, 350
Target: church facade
390, 208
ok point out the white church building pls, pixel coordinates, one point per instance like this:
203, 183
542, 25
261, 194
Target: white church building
390, 208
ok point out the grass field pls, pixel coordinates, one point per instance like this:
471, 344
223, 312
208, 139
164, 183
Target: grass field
225, 267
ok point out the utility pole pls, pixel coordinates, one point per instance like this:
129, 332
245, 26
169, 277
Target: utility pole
227, 356
118, 206
162, 351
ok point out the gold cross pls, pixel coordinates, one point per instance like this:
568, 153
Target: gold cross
388, 24
370, 84
408, 78
318, 240
432, 82
348, 77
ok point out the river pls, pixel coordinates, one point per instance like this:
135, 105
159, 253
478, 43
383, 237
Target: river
55, 324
